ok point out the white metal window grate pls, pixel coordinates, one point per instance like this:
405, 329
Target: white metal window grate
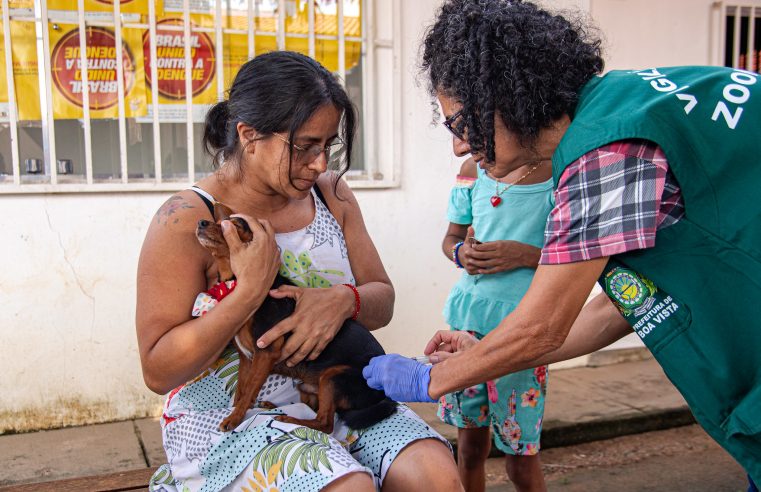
125, 142
737, 39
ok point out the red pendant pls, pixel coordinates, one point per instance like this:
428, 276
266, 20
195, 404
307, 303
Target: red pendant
495, 200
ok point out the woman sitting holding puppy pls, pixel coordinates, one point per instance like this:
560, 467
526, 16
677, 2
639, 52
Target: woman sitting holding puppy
272, 142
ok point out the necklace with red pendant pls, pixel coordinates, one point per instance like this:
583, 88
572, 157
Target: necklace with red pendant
496, 199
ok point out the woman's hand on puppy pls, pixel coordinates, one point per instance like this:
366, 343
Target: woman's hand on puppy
447, 343
254, 263
319, 315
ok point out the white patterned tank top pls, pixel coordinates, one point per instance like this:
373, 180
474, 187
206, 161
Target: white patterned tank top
314, 256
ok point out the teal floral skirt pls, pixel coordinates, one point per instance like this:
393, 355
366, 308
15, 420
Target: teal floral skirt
512, 406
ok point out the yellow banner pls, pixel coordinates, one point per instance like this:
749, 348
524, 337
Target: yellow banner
65, 62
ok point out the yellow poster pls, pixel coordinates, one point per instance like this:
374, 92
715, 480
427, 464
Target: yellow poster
171, 64
66, 72
102, 74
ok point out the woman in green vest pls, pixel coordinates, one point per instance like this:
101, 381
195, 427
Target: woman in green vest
656, 173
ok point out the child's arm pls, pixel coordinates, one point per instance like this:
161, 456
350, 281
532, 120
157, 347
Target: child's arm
459, 211
455, 234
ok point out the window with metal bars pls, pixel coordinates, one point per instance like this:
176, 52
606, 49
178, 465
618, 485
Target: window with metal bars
741, 26
122, 106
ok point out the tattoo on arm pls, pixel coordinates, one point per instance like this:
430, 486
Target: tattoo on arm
168, 209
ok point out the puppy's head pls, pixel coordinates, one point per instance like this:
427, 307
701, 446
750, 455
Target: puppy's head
210, 236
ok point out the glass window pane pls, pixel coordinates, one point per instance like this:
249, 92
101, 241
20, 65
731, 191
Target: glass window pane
756, 53
354, 89
70, 150
31, 156
174, 151
106, 166
6, 160
26, 82
235, 54
140, 162
172, 94
729, 37
744, 27
67, 89
202, 159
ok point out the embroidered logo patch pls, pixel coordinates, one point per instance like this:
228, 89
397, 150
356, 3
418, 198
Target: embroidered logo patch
628, 290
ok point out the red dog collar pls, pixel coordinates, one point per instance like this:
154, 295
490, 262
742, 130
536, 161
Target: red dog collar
220, 290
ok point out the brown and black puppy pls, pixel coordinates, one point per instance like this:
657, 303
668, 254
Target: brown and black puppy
337, 372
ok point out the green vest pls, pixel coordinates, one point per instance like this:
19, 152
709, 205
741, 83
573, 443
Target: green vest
694, 298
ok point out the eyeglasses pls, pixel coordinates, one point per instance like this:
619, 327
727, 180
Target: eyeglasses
306, 155
449, 123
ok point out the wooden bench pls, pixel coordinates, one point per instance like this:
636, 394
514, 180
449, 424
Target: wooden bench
113, 482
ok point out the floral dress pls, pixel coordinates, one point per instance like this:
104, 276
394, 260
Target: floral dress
513, 405
263, 454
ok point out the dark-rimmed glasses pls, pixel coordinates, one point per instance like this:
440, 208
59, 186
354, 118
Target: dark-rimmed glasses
307, 155
449, 123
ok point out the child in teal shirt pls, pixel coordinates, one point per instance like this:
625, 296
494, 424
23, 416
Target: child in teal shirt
496, 231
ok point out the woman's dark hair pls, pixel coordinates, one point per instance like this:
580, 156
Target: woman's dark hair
276, 92
510, 57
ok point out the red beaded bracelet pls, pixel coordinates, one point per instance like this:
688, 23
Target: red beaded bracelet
357, 301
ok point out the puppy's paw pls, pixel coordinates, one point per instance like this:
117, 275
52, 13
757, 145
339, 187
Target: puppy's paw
326, 427
267, 405
229, 423
288, 420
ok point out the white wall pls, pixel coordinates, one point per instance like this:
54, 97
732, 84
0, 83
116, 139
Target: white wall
67, 283
654, 33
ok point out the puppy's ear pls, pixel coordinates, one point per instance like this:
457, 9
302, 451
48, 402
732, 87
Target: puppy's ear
221, 211
244, 231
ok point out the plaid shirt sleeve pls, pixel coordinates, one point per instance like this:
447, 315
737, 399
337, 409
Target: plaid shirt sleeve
611, 200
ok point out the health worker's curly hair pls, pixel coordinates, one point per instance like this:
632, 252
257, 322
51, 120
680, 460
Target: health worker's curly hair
509, 57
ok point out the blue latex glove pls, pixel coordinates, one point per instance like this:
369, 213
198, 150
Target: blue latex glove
401, 378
